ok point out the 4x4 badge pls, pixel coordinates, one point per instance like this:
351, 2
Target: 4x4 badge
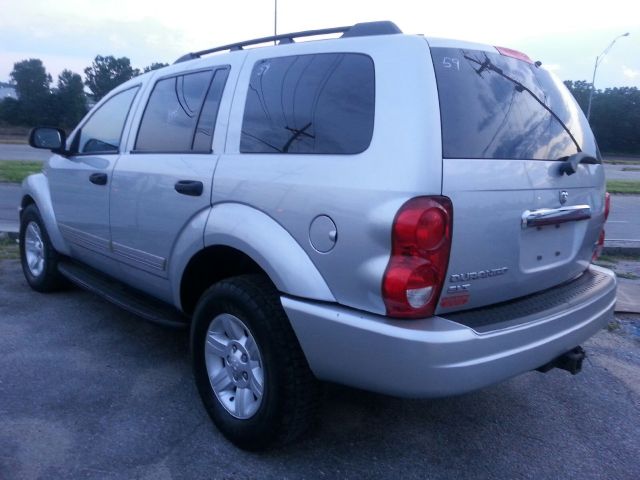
564, 195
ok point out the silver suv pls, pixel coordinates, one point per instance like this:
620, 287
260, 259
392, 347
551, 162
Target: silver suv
407, 215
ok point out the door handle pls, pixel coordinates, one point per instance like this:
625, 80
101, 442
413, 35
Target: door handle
192, 188
553, 216
98, 178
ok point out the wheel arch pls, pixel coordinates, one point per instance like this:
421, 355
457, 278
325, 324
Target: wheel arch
209, 266
238, 239
35, 190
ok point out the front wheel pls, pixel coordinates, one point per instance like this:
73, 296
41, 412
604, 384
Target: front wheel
249, 368
38, 257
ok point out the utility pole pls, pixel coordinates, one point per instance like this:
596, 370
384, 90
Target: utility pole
598, 60
275, 19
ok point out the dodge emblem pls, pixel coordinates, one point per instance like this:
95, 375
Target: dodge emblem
564, 195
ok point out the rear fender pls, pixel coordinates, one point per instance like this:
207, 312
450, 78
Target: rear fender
270, 246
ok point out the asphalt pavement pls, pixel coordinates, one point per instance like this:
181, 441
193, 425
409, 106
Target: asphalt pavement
89, 391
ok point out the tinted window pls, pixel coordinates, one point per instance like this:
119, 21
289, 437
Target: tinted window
175, 119
103, 131
310, 104
486, 112
203, 137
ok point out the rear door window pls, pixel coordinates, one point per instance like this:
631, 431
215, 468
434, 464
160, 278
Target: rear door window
486, 114
181, 113
322, 104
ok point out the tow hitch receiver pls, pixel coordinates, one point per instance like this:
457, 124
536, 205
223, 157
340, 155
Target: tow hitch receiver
570, 361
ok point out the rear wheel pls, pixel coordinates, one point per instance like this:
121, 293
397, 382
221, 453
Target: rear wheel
38, 257
250, 371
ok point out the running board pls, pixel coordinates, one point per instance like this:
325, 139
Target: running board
125, 297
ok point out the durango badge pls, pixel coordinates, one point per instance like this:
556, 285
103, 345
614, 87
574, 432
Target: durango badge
465, 277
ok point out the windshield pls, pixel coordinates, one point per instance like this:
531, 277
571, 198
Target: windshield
493, 106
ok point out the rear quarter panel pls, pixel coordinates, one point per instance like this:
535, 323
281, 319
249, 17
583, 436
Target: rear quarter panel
361, 193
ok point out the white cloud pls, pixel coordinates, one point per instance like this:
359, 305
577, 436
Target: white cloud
150, 31
630, 72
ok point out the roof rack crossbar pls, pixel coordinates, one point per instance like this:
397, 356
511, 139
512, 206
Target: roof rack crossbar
359, 29
288, 37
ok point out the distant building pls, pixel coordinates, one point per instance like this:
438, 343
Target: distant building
7, 91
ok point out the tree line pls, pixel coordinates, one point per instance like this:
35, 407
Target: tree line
615, 116
65, 104
615, 112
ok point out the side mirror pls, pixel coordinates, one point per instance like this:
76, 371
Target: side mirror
49, 138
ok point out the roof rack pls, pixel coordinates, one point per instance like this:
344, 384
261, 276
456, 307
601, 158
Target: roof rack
357, 30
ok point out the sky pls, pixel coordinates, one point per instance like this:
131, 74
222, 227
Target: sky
565, 35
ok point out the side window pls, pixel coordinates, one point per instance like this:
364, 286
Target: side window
322, 104
181, 112
103, 131
203, 137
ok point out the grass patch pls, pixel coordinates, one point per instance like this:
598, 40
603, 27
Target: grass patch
8, 248
628, 258
15, 171
608, 259
623, 186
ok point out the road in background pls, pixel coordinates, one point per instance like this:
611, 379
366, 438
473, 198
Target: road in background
622, 172
624, 220
9, 151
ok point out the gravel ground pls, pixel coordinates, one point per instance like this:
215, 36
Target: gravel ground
89, 391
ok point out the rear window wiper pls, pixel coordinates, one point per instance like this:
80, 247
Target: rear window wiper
570, 163
520, 87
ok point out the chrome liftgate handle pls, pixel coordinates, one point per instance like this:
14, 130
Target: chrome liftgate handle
554, 216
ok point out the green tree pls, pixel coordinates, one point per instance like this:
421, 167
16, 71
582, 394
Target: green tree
31, 79
70, 100
615, 119
106, 73
154, 66
615, 115
32, 86
10, 112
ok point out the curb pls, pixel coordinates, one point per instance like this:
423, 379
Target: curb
621, 251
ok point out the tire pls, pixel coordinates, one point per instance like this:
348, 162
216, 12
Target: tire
229, 315
38, 257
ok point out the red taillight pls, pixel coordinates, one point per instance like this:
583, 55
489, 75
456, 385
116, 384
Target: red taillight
597, 251
607, 205
421, 242
509, 52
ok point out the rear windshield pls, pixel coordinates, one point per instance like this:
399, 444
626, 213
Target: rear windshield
487, 114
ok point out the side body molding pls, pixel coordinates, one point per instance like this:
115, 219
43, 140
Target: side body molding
270, 246
37, 187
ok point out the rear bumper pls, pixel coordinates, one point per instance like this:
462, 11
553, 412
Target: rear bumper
436, 356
